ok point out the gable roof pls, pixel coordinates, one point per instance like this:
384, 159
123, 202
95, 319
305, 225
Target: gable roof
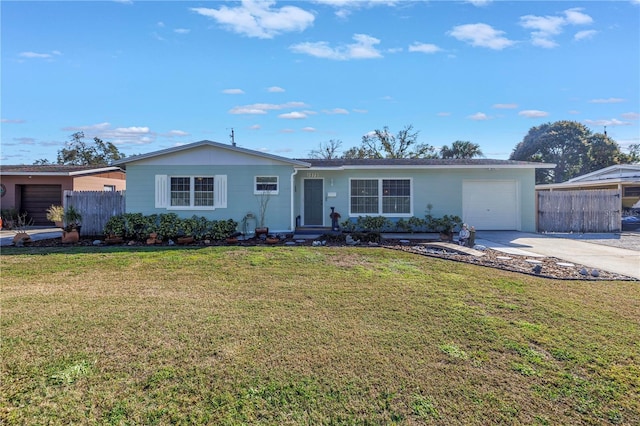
55, 170
617, 171
421, 163
612, 175
213, 144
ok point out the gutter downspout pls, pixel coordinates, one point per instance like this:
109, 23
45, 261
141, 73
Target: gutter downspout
293, 190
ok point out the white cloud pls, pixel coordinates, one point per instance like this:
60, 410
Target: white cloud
345, 7
259, 19
606, 101
584, 35
533, 113
264, 108
613, 122
178, 133
363, 48
287, 131
546, 27
424, 48
443, 114
576, 17
573, 111
133, 135
35, 55
233, 92
294, 115
309, 129
479, 116
255, 127
360, 111
275, 89
182, 31
12, 120
336, 111
505, 106
631, 115
479, 3
481, 35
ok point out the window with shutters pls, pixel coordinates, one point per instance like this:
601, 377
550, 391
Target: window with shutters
191, 192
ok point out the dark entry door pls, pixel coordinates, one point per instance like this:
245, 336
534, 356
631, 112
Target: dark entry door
313, 197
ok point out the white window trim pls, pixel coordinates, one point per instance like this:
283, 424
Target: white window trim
163, 192
380, 197
256, 191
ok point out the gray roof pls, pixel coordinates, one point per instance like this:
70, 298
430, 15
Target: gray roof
56, 170
235, 148
422, 163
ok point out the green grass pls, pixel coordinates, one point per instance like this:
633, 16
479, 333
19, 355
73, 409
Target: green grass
306, 335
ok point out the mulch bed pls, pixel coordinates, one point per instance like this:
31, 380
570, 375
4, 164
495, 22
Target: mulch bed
547, 267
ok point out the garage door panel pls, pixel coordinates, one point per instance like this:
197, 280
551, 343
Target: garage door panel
491, 205
36, 199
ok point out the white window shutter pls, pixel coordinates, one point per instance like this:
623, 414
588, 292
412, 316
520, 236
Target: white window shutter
220, 193
162, 191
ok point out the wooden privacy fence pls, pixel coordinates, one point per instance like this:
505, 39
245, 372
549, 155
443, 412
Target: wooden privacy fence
596, 210
96, 207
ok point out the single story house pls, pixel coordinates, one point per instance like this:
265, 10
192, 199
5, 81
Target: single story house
221, 181
33, 188
623, 177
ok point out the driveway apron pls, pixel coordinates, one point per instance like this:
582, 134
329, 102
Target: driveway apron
612, 259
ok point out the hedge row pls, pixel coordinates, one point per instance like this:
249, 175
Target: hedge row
136, 226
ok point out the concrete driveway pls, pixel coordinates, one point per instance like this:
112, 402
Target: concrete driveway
591, 252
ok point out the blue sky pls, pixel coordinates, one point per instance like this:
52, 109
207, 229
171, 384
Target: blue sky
287, 76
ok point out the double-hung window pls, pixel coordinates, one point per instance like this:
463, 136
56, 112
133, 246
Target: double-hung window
191, 192
389, 197
266, 184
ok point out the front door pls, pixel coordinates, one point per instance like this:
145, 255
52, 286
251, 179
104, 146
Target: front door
313, 202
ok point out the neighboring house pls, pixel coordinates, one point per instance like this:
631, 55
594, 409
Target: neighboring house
222, 182
623, 177
34, 188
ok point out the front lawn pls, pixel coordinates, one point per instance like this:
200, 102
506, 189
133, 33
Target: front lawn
308, 335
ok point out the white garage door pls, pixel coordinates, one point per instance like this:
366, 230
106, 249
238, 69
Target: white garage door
491, 205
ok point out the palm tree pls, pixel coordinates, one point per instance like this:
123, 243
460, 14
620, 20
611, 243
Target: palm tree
461, 149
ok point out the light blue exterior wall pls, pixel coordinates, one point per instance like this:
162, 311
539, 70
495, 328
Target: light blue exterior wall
442, 188
140, 195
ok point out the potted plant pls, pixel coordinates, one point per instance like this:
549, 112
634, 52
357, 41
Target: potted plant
445, 225
21, 225
56, 215
72, 220
263, 202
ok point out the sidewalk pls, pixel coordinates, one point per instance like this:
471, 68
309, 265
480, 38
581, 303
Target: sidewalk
36, 233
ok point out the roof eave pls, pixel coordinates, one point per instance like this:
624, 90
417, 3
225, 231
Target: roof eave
167, 151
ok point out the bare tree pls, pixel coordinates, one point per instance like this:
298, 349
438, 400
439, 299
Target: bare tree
326, 150
384, 144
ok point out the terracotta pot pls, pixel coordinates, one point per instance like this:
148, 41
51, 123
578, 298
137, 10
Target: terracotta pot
272, 240
232, 240
69, 237
21, 238
262, 231
185, 240
446, 237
